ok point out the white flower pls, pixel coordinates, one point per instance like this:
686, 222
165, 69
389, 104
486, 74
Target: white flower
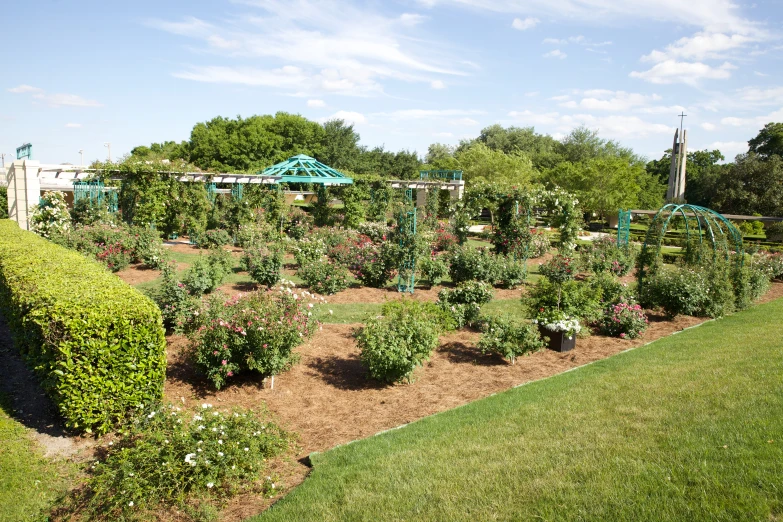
130, 504
189, 459
220, 453
201, 427
330, 312
210, 485
152, 414
111, 443
198, 418
247, 449
220, 441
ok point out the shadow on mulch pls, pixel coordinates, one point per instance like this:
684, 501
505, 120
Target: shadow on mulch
463, 353
345, 373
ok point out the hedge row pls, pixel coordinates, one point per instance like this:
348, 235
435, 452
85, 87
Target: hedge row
97, 344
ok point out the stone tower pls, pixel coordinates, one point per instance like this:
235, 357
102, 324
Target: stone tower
676, 190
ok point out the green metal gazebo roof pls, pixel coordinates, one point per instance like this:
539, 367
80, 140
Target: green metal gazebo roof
304, 169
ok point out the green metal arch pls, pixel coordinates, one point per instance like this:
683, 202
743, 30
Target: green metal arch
717, 229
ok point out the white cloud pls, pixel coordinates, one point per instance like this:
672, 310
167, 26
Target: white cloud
561, 98
756, 96
424, 114
702, 46
708, 126
335, 47
554, 41
613, 126
437, 84
73, 125
55, 100
443, 135
671, 71
753, 121
467, 122
607, 100
557, 53
730, 148
763, 75
347, 116
24, 89
523, 25
316, 103
532, 94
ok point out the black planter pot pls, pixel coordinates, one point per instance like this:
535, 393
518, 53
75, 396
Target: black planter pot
557, 340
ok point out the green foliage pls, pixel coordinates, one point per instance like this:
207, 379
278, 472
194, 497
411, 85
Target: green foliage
603, 255
750, 228
323, 276
442, 319
479, 162
624, 319
465, 301
696, 291
321, 210
539, 244
254, 332
432, 268
3, 203
97, 344
297, 223
770, 264
381, 198
263, 263
571, 298
750, 186
206, 274
255, 233
774, 232
170, 457
353, 205
214, 238
377, 231
174, 300
559, 269
510, 272
768, 142
609, 288
308, 250
393, 345
50, 216
373, 264
472, 264
749, 283
509, 338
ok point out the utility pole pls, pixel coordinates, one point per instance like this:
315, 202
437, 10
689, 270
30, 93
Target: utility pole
3, 158
81, 157
108, 144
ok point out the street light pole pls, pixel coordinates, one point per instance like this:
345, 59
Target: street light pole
108, 145
81, 157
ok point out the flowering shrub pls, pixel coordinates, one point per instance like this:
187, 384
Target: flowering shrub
572, 298
772, 264
50, 215
611, 289
625, 319
251, 332
432, 268
114, 256
539, 244
472, 264
603, 255
688, 291
372, 264
308, 250
508, 338
170, 456
174, 300
263, 264
298, 223
323, 276
559, 269
377, 231
393, 345
465, 301
214, 238
206, 274
510, 272
444, 240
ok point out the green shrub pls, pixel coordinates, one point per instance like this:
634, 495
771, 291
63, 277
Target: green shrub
610, 288
539, 244
323, 276
510, 272
393, 345
298, 223
172, 457
377, 231
432, 269
308, 250
603, 255
508, 338
263, 264
374, 264
206, 274
465, 301
472, 264
774, 232
749, 283
50, 215
214, 238
571, 298
624, 319
771, 264
559, 269
114, 256
252, 332
3, 202
96, 343
699, 292
174, 300
442, 319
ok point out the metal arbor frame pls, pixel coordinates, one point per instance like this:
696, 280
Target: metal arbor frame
97, 193
237, 191
406, 227
623, 227
700, 222
304, 169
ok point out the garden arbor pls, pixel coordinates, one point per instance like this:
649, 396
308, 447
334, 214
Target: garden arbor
703, 227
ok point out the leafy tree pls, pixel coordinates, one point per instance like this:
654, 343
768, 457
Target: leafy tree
703, 169
340, 148
768, 142
479, 162
751, 185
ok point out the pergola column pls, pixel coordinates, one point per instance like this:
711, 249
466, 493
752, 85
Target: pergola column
24, 191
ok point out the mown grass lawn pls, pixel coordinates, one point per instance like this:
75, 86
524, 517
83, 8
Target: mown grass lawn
687, 428
29, 483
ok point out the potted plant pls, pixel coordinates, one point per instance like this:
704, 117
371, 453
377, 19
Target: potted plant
559, 328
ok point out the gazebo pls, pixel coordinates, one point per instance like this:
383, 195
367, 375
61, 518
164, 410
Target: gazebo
304, 169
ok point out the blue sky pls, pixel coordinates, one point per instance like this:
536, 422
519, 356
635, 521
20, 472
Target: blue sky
407, 74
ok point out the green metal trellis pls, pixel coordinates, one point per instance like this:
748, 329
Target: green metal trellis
96, 193
623, 227
212, 192
700, 222
237, 191
406, 226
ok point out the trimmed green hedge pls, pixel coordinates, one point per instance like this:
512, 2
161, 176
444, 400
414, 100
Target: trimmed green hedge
96, 343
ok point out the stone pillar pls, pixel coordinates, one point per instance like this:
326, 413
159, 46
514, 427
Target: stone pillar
683, 164
421, 198
673, 170
614, 220
24, 191
456, 190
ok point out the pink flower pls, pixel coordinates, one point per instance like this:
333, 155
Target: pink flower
215, 352
230, 373
224, 362
622, 336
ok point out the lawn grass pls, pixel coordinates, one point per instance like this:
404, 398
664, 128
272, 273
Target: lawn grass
686, 428
29, 483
